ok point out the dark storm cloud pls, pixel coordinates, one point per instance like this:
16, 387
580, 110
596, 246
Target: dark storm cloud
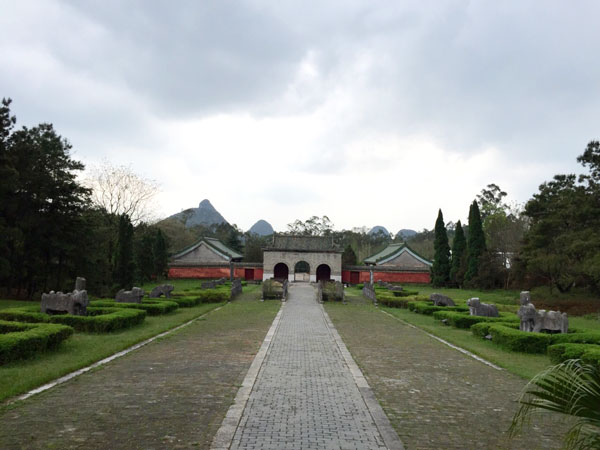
519, 75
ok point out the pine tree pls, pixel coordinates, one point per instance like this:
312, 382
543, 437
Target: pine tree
441, 261
160, 254
349, 256
476, 243
123, 263
459, 247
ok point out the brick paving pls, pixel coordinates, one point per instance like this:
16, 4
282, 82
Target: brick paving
435, 396
305, 395
171, 394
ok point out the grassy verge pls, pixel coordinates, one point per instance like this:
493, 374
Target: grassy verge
83, 349
521, 364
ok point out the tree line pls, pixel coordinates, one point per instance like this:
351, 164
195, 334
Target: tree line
52, 232
553, 240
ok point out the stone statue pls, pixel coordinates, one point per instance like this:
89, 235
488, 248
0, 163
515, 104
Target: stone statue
135, 295
441, 300
476, 308
75, 302
163, 289
542, 320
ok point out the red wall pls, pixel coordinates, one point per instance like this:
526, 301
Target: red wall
391, 277
212, 272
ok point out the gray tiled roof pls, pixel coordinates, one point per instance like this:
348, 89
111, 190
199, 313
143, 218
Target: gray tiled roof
215, 244
303, 243
391, 251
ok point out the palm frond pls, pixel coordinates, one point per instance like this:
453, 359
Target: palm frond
569, 388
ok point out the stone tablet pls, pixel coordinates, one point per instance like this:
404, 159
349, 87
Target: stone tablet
135, 295
441, 300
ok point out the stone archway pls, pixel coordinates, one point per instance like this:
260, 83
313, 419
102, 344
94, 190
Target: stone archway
323, 272
281, 271
302, 271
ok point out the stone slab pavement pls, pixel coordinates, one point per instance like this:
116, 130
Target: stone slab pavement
306, 395
173, 393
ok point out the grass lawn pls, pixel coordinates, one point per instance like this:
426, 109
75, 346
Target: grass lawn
83, 349
523, 364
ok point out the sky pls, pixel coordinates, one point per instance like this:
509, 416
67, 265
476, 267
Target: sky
370, 112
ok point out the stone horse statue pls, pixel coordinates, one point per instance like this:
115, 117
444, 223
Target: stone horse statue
476, 308
542, 320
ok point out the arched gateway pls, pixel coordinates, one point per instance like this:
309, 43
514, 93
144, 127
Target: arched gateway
312, 258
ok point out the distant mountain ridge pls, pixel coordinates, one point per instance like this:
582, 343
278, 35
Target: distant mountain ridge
261, 228
204, 214
379, 229
406, 233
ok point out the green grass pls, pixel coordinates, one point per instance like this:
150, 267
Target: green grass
83, 349
15, 303
522, 364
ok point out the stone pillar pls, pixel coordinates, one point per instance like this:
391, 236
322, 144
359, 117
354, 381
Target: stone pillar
371, 274
231, 270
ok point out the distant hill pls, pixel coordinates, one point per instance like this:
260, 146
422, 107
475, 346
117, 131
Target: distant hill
262, 228
204, 214
406, 233
379, 229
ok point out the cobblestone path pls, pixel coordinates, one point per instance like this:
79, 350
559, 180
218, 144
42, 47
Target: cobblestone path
305, 395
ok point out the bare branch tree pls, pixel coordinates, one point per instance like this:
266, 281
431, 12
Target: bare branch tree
121, 191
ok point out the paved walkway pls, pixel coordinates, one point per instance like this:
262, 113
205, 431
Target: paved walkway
305, 395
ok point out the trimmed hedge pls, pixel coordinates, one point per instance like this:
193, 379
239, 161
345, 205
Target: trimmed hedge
458, 320
21, 340
561, 352
151, 306
428, 308
98, 320
519, 341
577, 337
482, 329
394, 302
185, 302
214, 296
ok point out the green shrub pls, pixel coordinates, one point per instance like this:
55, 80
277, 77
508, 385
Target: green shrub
577, 337
519, 341
185, 302
592, 356
360, 285
461, 320
98, 320
482, 329
394, 302
21, 340
561, 352
428, 308
214, 296
404, 293
151, 306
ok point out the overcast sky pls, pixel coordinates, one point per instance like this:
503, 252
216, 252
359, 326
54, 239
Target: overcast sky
370, 112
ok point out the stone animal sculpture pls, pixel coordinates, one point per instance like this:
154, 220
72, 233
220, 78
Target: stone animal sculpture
163, 289
75, 302
135, 295
476, 308
542, 320
441, 300
208, 285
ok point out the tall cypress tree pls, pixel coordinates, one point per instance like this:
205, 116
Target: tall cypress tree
160, 254
459, 247
476, 242
124, 265
440, 270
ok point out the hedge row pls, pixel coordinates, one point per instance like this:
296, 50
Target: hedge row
21, 340
185, 302
429, 308
98, 320
151, 306
458, 320
214, 296
482, 329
